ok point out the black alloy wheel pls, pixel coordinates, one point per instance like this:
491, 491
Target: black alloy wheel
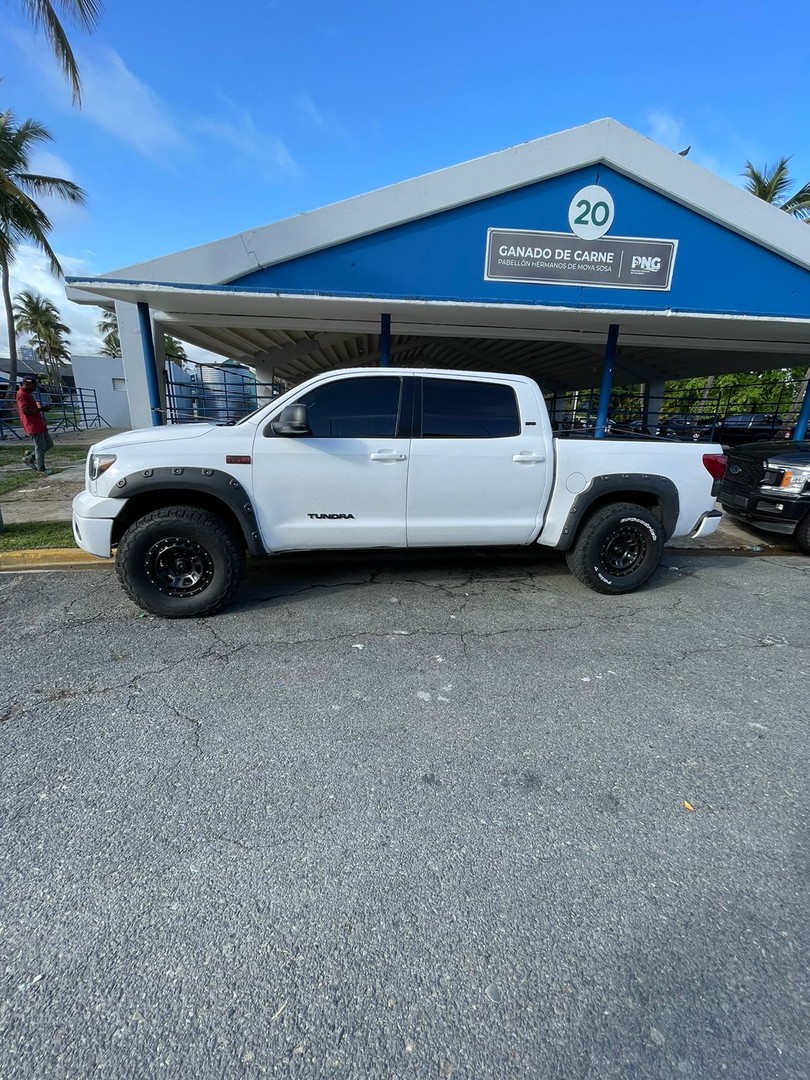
179, 567
617, 549
180, 562
624, 549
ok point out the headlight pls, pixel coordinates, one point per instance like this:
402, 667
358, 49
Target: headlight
99, 463
793, 481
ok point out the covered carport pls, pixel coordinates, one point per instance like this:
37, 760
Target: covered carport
593, 257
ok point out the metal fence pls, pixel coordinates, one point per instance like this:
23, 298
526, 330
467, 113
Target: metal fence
225, 393
220, 394
67, 409
707, 415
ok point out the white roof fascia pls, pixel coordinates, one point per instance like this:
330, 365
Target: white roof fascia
606, 141
321, 312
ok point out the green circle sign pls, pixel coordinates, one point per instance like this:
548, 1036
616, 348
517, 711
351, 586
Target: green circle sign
591, 212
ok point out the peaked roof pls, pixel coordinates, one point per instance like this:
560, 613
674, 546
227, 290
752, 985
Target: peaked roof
226, 295
605, 141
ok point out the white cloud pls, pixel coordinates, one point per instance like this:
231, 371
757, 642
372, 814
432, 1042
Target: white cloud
307, 107
669, 131
30, 271
666, 130
120, 103
62, 214
313, 115
254, 147
112, 96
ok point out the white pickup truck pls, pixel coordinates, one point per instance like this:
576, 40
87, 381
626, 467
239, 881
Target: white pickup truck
384, 458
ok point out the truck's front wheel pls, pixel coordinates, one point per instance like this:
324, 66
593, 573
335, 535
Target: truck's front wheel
617, 549
802, 534
180, 562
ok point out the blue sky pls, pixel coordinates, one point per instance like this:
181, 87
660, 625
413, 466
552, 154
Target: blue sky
203, 119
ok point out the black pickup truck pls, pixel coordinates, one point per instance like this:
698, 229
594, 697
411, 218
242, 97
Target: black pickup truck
768, 484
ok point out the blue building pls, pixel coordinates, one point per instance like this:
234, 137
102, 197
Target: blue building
593, 257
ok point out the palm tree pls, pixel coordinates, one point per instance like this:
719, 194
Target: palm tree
39, 317
773, 186
174, 350
107, 326
21, 219
84, 12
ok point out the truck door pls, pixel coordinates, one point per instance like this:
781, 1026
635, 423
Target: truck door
345, 485
480, 468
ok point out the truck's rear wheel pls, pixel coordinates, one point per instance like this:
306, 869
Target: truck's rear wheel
618, 549
180, 562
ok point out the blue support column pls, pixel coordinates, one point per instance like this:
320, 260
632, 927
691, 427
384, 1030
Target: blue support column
800, 430
607, 380
385, 340
150, 363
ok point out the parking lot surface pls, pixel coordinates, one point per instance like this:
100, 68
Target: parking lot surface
440, 816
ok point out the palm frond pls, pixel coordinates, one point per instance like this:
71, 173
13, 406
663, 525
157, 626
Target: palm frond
43, 16
773, 184
53, 186
799, 203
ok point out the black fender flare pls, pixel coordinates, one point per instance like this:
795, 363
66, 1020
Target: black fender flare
623, 486
213, 483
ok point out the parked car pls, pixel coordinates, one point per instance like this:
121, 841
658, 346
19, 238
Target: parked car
634, 429
768, 484
740, 429
684, 426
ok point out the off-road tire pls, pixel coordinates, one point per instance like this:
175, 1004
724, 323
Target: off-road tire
180, 562
617, 549
802, 534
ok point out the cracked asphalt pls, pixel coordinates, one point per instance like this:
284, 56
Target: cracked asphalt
437, 816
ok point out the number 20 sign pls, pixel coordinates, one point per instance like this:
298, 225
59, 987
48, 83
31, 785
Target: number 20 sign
591, 212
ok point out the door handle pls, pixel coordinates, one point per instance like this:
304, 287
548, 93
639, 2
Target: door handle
387, 455
528, 457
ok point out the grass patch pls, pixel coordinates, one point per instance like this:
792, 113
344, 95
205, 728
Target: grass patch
38, 534
12, 481
61, 454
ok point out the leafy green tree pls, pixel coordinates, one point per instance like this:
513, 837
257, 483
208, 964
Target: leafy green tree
773, 185
746, 391
21, 219
38, 317
43, 15
174, 350
107, 326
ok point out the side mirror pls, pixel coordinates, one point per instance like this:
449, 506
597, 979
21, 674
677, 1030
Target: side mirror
292, 421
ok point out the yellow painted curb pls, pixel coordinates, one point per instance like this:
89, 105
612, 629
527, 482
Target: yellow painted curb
50, 559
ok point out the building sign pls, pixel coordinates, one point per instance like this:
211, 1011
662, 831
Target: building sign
585, 256
550, 258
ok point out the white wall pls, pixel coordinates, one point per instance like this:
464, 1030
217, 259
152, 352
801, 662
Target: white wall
105, 375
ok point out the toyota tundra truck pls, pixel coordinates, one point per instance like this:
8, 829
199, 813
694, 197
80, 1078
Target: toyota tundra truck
375, 458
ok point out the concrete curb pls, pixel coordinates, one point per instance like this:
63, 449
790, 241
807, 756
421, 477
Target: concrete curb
51, 559
75, 558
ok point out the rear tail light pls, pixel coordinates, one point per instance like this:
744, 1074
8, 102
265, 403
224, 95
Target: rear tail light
715, 465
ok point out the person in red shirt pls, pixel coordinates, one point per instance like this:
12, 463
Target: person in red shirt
33, 424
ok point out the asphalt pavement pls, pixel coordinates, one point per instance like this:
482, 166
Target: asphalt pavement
446, 816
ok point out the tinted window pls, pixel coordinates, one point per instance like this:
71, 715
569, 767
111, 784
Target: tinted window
742, 420
354, 408
453, 409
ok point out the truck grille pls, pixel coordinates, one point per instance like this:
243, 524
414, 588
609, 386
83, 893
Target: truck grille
750, 472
